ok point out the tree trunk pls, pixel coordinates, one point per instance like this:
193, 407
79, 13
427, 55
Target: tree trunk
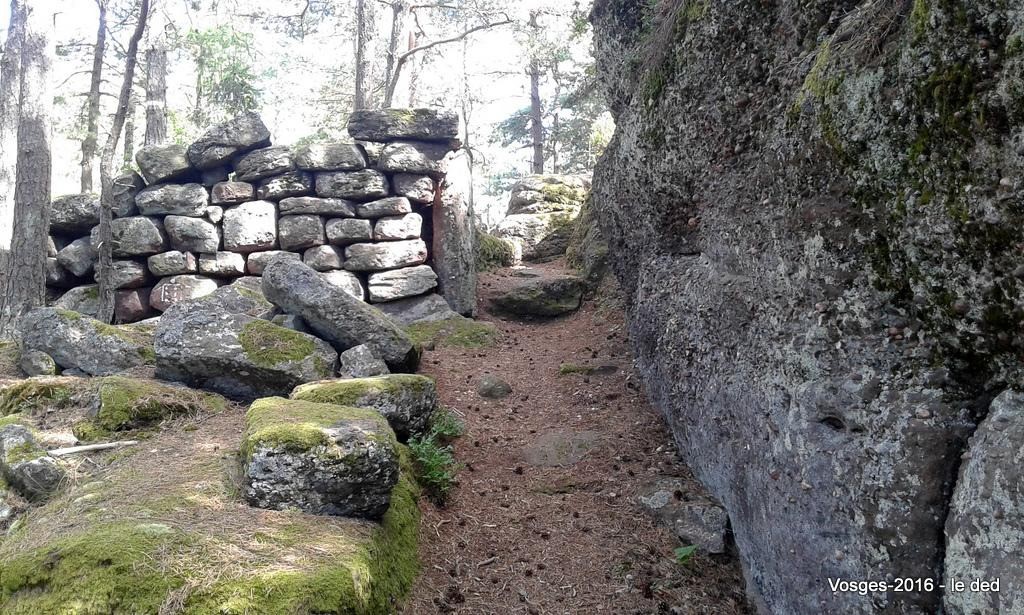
24, 286
92, 103
536, 118
156, 93
129, 132
398, 12
105, 311
10, 76
359, 101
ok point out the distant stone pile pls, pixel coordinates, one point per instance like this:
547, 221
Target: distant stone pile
541, 214
197, 217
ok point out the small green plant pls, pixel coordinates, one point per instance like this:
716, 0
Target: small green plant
685, 554
566, 369
433, 456
446, 425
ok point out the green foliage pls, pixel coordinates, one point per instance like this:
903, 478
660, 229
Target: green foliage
685, 554
566, 369
493, 252
267, 344
225, 78
433, 457
460, 332
446, 424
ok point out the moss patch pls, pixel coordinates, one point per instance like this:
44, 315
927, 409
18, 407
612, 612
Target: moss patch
34, 394
353, 392
127, 403
9, 359
297, 425
566, 369
267, 344
459, 332
493, 252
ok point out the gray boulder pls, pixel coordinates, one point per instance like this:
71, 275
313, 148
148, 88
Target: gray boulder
455, 239
203, 344
391, 206
311, 205
492, 387
160, 163
37, 363
544, 297
82, 299
396, 228
76, 341
345, 231
360, 362
243, 296
401, 283
222, 264
345, 462
426, 308
293, 184
364, 185
123, 192
133, 305
256, 262
694, 520
415, 158
323, 258
57, 276
264, 162
335, 315
983, 528
172, 263
128, 274
74, 214
416, 188
382, 256
78, 257
220, 143
135, 236
250, 227
192, 234
173, 199
393, 124
26, 466
300, 232
176, 289
232, 193
346, 281
335, 156
407, 401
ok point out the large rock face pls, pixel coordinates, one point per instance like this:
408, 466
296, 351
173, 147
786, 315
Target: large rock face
78, 342
818, 242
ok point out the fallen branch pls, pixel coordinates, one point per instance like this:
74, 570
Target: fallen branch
61, 452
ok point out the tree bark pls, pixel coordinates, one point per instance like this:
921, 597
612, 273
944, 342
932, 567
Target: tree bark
398, 13
536, 118
105, 310
10, 88
156, 93
359, 102
92, 103
24, 286
129, 132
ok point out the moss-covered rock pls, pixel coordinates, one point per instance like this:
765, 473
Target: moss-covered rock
545, 297
494, 252
121, 404
41, 393
79, 342
325, 459
25, 465
459, 332
588, 250
406, 401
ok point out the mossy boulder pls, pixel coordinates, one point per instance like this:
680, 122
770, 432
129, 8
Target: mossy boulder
324, 459
407, 401
41, 393
79, 342
25, 466
546, 194
37, 363
202, 344
588, 249
459, 332
494, 252
166, 530
544, 297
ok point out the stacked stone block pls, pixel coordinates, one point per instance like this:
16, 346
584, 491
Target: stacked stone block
194, 218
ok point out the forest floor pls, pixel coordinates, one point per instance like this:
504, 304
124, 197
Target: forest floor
545, 518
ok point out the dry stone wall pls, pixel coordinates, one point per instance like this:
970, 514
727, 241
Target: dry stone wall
197, 217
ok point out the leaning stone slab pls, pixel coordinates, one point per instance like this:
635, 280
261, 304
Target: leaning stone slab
26, 466
393, 124
74, 213
159, 163
135, 236
336, 315
364, 185
173, 199
416, 158
264, 162
79, 342
335, 156
220, 143
407, 401
203, 344
319, 458
176, 289
382, 256
401, 283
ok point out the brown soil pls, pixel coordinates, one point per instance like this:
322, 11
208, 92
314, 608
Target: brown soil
522, 537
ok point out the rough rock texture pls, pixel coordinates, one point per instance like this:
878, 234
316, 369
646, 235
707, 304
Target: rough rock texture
588, 250
251, 227
75, 341
133, 305
25, 465
335, 315
983, 530
324, 258
346, 281
812, 209
381, 256
359, 362
128, 274
159, 163
391, 206
415, 158
335, 156
335, 208
407, 401
135, 236
81, 299
175, 289
203, 344
172, 263
256, 262
192, 234
492, 387
546, 297
454, 244
392, 228
36, 363
392, 124
697, 522
291, 184
74, 213
401, 283
362, 185
300, 232
222, 264
320, 458
265, 162
173, 199
232, 193
222, 142
416, 188
426, 308
123, 192
78, 257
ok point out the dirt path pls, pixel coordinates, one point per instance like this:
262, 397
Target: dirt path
524, 535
